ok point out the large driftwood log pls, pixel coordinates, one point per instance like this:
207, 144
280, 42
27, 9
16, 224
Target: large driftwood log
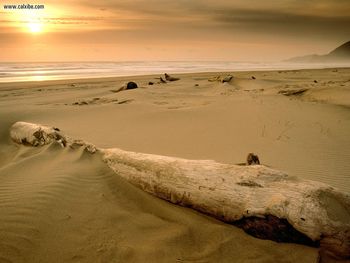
232, 193
265, 202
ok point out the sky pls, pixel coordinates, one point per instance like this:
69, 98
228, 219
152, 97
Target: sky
139, 30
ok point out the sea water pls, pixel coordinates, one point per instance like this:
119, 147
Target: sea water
38, 71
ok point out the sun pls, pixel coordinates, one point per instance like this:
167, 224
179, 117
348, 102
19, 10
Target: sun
35, 28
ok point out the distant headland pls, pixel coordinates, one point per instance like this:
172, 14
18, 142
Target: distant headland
340, 54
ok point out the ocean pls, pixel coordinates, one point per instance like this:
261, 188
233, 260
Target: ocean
39, 71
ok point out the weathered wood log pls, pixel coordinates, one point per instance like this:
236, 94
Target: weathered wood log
38, 135
35, 135
265, 202
232, 193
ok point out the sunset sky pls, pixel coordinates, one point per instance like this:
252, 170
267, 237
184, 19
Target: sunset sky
255, 30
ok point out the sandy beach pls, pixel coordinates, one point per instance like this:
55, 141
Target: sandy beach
67, 206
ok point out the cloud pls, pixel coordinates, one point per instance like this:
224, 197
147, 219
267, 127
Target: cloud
71, 20
288, 17
281, 22
297, 18
137, 7
186, 7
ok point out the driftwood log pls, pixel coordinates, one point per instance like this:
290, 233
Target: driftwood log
38, 135
264, 202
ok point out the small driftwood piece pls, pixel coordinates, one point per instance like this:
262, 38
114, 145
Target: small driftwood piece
252, 159
170, 78
31, 134
36, 135
161, 80
264, 202
222, 79
293, 92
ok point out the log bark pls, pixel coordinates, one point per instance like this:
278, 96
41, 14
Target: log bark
265, 202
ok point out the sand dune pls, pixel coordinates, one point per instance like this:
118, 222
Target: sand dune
65, 206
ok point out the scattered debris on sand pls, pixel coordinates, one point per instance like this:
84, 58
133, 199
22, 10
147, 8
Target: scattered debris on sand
252, 159
228, 78
222, 79
126, 86
99, 101
293, 92
131, 85
170, 78
124, 101
161, 80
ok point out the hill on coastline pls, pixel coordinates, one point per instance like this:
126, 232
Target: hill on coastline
340, 54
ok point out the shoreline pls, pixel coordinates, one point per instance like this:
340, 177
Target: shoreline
242, 73
82, 70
